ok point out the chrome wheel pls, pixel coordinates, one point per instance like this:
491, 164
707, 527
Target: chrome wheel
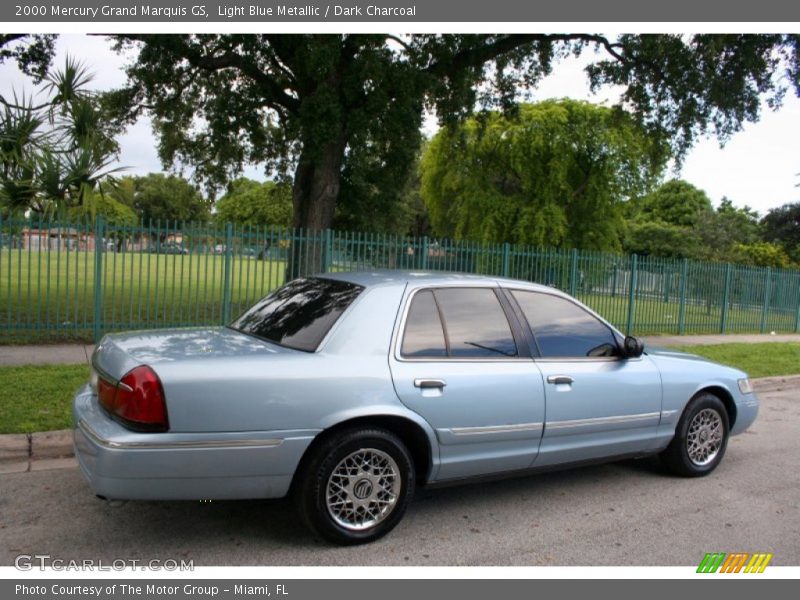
704, 437
363, 489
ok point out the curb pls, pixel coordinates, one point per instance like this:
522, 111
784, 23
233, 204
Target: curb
776, 384
41, 451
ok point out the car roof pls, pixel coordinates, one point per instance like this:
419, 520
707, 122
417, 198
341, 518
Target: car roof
382, 278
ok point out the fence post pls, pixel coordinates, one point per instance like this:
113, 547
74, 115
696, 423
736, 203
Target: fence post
614, 280
726, 298
327, 258
632, 294
424, 261
765, 308
797, 313
682, 300
227, 274
98, 278
506, 258
573, 272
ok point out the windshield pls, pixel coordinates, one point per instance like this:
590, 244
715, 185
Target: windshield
300, 313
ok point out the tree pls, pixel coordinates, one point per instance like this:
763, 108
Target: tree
762, 254
53, 155
33, 53
166, 198
782, 225
675, 202
667, 221
249, 202
677, 220
381, 198
657, 238
555, 174
721, 230
311, 103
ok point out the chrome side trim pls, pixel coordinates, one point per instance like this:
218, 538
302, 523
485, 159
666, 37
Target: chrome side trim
98, 439
496, 429
667, 413
602, 420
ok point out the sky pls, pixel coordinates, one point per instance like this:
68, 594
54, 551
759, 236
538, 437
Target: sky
758, 166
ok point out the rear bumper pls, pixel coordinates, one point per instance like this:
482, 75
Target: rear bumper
126, 465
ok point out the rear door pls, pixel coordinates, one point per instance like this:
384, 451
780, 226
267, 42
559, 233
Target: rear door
460, 362
599, 404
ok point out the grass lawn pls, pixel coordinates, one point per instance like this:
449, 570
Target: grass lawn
38, 398
758, 360
49, 296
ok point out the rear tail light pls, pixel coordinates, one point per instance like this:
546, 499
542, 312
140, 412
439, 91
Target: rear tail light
136, 401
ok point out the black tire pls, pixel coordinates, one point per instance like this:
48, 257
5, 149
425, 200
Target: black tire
317, 475
702, 458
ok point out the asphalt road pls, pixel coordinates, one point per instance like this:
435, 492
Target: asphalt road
629, 513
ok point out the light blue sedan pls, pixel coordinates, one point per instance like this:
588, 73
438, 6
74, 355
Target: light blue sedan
351, 390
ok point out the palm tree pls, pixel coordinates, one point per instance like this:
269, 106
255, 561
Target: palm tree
55, 154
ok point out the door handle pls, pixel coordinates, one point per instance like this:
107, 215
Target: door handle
426, 384
559, 379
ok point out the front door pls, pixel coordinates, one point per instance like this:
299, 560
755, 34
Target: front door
599, 404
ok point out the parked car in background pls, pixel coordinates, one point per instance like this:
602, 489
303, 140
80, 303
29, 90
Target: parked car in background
350, 390
168, 248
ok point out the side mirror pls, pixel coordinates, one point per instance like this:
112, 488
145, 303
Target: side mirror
633, 347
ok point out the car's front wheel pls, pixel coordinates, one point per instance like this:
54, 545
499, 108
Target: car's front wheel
700, 438
356, 485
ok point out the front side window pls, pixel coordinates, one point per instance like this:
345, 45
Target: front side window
563, 329
457, 323
299, 314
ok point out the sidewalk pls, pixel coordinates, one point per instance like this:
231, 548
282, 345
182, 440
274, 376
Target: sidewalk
74, 353
698, 340
55, 354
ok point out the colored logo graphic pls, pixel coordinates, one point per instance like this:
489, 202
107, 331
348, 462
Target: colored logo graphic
736, 562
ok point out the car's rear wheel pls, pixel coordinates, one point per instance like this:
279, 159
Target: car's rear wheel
700, 438
356, 485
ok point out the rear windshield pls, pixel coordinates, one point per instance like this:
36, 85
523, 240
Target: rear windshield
299, 314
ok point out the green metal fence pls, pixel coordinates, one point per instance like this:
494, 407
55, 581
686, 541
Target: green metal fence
76, 281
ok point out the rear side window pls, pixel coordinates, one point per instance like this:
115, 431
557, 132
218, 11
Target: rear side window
299, 314
564, 329
457, 323
424, 335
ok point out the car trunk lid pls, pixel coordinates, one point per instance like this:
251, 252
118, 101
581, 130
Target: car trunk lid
119, 353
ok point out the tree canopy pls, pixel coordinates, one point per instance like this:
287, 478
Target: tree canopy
554, 173
165, 198
32, 53
316, 107
677, 220
782, 226
249, 202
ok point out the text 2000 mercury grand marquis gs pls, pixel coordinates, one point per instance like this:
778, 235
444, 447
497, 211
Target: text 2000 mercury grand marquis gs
350, 390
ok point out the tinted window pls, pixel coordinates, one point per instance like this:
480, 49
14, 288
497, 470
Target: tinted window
564, 329
299, 314
423, 335
475, 323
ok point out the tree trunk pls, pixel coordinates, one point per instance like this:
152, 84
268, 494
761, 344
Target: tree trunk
314, 193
